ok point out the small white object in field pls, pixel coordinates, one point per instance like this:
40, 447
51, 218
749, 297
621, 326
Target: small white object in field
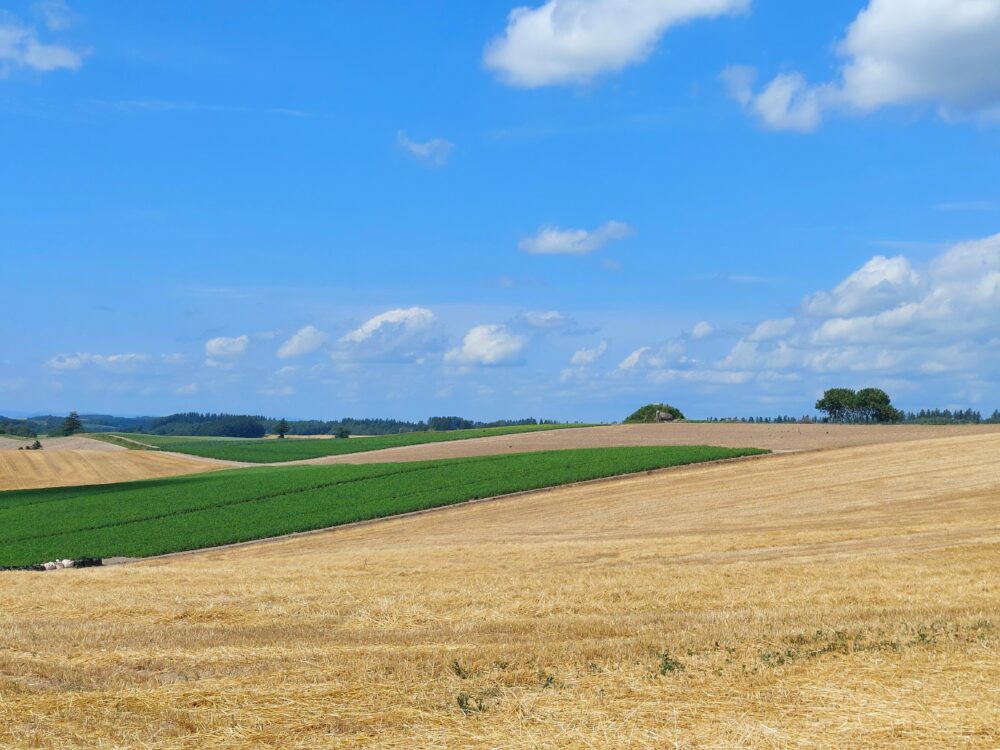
49, 566
67, 563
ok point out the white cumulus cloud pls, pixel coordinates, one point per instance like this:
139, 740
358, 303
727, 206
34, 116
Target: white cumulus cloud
942, 53
702, 330
772, 329
487, 345
572, 41
555, 241
224, 347
406, 318
404, 334
892, 316
878, 283
305, 340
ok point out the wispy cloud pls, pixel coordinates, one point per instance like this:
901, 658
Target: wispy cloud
108, 362
433, 153
305, 340
20, 47
736, 278
138, 106
969, 206
584, 357
908, 245
551, 240
55, 14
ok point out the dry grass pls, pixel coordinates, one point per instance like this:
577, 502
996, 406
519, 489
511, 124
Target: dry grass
21, 470
838, 599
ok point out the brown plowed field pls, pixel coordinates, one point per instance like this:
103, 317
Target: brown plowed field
20, 470
771, 436
837, 599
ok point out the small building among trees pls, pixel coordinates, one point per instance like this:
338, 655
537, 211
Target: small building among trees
653, 413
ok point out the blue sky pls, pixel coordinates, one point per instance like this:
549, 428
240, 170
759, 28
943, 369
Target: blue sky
563, 211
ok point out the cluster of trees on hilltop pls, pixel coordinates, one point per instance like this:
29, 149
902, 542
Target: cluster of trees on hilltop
647, 414
867, 406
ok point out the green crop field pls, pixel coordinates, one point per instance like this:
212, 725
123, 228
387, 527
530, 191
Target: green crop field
137, 519
270, 450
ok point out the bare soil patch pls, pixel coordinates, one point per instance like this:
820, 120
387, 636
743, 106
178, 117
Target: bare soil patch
792, 437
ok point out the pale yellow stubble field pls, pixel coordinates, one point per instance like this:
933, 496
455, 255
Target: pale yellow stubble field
843, 598
21, 470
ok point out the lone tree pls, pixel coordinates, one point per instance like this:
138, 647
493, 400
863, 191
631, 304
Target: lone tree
72, 424
342, 432
281, 428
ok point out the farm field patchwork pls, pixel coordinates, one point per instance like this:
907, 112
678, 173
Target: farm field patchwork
264, 450
166, 515
838, 599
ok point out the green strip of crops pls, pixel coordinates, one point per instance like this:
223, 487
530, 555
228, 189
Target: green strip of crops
270, 450
137, 519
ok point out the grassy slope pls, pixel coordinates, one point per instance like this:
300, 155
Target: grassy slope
272, 451
166, 515
108, 437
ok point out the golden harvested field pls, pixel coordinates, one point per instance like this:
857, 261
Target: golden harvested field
21, 470
51, 444
777, 437
837, 599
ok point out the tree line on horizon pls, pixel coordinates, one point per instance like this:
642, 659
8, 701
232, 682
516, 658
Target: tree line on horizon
845, 408
211, 424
